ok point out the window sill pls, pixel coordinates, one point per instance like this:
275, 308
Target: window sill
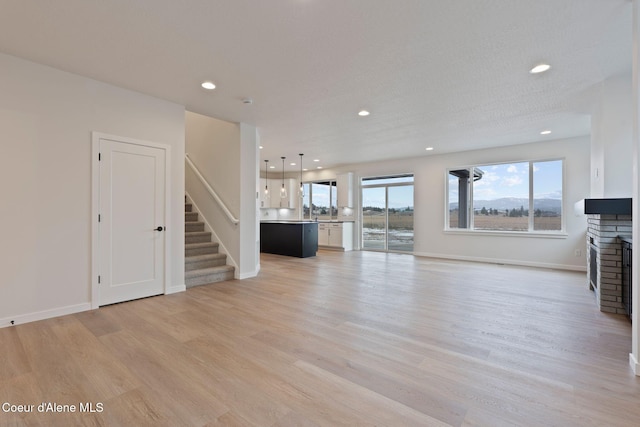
535, 234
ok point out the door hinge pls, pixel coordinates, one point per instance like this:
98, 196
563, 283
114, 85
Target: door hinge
98, 280
98, 217
99, 156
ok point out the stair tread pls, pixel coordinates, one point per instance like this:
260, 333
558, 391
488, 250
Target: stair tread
193, 233
203, 257
193, 226
207, 271
200, 245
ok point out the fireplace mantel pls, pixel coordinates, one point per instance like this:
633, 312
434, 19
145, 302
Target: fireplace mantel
605, 206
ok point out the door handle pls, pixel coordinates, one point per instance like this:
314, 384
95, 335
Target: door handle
160, 228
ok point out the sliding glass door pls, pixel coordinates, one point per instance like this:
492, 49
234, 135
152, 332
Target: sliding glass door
387, 213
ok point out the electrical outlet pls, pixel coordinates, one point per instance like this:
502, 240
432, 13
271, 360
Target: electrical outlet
578, 252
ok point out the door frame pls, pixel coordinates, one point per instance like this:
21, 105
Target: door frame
95, 208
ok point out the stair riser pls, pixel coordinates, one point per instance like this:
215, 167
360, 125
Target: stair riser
189, 266
200, 238
196, 226
190, 216
201, 251
210, 278
188, 207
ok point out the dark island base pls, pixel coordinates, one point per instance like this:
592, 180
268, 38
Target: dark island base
298, 239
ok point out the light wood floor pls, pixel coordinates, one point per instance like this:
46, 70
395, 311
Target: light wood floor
342, 339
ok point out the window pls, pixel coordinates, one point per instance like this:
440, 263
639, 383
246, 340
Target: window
320, 200
519, 197
306, 200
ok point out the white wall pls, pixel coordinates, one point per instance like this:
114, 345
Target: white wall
429, 210
214, 146
249, 201
611, 139
46, 120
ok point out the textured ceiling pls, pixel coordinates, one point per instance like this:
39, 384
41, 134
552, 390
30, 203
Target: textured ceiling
448, 74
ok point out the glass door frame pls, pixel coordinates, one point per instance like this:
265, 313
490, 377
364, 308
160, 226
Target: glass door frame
386, 217
386, 213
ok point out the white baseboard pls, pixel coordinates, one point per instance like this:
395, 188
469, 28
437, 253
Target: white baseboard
634, 364
42, 315
175, 289
252, 274
247, 275
504, 261
332, 248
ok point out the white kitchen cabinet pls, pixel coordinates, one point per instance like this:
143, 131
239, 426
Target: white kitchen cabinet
336, 235
323, 234
344, 183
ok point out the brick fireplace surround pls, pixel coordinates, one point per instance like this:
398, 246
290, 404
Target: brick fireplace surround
605, 249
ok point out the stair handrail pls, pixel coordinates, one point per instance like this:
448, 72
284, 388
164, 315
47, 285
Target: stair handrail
210, 189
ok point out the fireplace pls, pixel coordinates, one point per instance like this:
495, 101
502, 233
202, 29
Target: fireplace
607, 221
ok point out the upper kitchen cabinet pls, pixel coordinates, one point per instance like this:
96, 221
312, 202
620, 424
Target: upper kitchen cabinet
345, 190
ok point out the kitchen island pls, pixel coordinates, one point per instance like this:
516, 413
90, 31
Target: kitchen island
291, 238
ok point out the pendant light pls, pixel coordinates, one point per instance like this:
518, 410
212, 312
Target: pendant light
283, 191
301, 186
266, 179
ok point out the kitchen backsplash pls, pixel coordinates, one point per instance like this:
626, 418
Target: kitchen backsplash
279, 214
344, 214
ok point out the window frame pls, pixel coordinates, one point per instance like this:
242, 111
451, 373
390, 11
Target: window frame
333, 199
562, 233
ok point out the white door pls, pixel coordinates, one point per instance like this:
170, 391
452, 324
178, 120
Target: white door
131, 227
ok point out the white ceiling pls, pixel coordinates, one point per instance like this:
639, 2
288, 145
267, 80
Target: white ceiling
448, 74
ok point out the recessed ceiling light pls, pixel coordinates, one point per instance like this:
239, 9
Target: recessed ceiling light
540, 68
305, 169
272, 167
261, 147
292, 164
545, 132
429, 148
208, 85
363, 113
316, 160
319, 167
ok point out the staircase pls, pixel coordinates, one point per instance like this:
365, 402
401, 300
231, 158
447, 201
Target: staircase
203, 264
